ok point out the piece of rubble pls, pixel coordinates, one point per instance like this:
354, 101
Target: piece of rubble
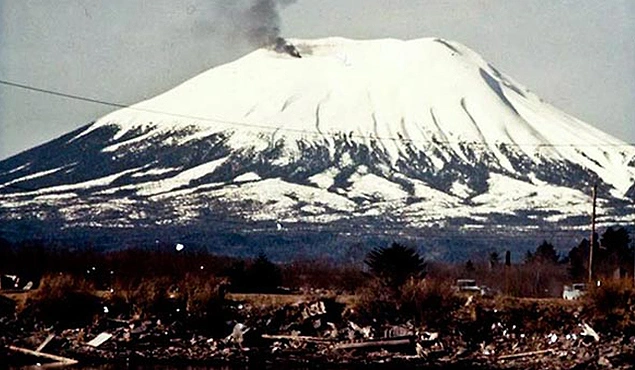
428, 336
99, 339
314, 309
237, 334
603, 361
397, 331
364, 331
588, 331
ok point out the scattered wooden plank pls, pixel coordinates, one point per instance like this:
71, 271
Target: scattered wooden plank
525, 354
299, 338
53, 365
99, 340
61, 360
119, 321
45, 343
375, 343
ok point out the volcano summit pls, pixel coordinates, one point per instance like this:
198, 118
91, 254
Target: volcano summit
381, 137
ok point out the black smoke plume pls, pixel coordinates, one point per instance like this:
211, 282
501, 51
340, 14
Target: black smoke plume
255, 21
263, 22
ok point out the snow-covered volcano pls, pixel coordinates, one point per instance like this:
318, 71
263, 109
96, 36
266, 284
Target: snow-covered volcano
386, 133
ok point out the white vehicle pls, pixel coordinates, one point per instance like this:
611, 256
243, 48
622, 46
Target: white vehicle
469, 286
574, 291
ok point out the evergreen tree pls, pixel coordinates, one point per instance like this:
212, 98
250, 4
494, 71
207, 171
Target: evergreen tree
469, 267
263, 275
545, 254
529, 257
614, 253
494, 259
578, 261
394, 265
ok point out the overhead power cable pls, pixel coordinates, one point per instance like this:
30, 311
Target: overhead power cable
287, 129
64, 95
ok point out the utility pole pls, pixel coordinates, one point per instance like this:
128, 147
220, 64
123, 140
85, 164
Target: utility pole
592, 239
633, 249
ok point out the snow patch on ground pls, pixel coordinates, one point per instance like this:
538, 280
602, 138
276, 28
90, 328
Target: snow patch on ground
33, 176
372, 186
247, 177
154, 171
99, 182
506, 194
181, 179
324, 179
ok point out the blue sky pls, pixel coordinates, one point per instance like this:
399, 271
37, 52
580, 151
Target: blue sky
578, 55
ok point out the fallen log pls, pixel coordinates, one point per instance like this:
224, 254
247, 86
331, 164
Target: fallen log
376, 343
59, 359
525, 354
300, 338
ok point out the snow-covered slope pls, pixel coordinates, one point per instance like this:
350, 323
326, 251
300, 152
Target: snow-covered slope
416, 133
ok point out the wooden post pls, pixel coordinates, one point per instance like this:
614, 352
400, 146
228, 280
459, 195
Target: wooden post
592, 239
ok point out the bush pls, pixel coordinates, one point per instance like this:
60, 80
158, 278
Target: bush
260, 276
197, 299
64, 301
156, 296
425, 302
611, 306
432, 303
205, 303
376, 301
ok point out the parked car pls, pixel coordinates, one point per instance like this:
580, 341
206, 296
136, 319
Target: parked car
574, 291
469, 286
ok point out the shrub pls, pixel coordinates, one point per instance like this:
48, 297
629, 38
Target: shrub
205, 303
260, 276
198, 299
156, 296
64, 301
376, 301
426, 302
611, 306
432, 303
